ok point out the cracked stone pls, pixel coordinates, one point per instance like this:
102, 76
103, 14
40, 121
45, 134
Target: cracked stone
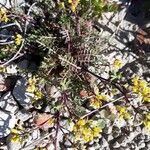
8, 103
7, 122
19, 92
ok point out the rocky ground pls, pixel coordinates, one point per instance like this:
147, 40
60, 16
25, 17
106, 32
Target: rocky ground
127, 28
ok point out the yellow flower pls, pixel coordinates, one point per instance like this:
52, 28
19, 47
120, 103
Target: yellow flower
69, 1
135, 80
31, 85
31, 88
81, 122
96, 131
3, 16
74, 4
15, 131
86, 130
2, 69
38, 95
18, 39
123, 113
148, 116
15, 137
147, 124
117, 64
61, 5
97, 101
32, 80
147, 121
141, 88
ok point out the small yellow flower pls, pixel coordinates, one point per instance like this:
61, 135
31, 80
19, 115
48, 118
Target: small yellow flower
15, 137
31, 88
18, 39
96, 131
123, 112
97, 101
15, 131
147, 124
81, 122
61, 5
38, 95
141, 88
3, 16
86, 130
31, 85
32, 80
117, 64
2, 69
135, 80
70, 1
74, 4
147, 121
148, 116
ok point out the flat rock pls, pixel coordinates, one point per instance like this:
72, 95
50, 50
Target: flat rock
9, 4
23, 115
8, 103
20, 93
7, 122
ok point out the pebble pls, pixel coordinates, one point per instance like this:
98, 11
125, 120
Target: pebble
147, 138
116, 132
140, 136
103, 142
110, 137
122, 139
148, 144
108, 130
23, 115
116, 145
132, 146
141, 145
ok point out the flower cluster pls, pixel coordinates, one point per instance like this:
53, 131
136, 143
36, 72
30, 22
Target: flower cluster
141, 88
86, 130
31, 88
18, 39
74, 4
123, 112
117, 64
98, 101
3, 15
15, 136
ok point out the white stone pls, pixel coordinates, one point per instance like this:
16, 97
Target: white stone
15, 3
23, 115
116, 145
8, 103
7, 122
11, 69
55, 93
